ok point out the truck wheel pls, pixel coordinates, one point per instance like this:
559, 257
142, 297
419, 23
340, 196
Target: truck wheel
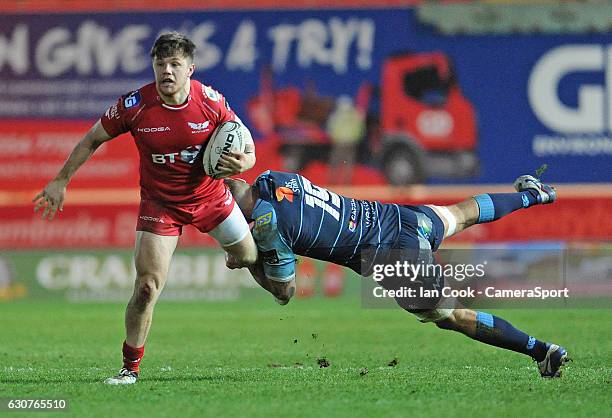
402, 166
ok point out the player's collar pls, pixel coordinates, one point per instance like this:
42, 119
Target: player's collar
175, 107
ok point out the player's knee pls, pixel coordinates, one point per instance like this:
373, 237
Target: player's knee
146, 291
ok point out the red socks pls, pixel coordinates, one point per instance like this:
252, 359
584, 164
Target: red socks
132, 357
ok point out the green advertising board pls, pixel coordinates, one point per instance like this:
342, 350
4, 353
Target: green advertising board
108, 275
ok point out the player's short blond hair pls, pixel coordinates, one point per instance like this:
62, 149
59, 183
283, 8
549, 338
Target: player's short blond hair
170, 44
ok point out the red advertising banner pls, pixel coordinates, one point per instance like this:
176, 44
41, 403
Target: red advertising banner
33, 151
570, 219
105, 225
79, 226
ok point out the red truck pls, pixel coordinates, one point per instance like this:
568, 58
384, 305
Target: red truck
424, 125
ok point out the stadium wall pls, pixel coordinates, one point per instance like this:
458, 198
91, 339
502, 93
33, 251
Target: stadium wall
473, 109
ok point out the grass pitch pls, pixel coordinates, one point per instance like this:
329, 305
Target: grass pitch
255, 358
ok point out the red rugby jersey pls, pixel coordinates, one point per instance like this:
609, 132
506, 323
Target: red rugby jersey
169, 140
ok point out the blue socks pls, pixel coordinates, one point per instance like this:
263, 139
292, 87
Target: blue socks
495, 205
495, 331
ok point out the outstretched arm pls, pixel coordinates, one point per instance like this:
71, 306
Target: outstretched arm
52, 196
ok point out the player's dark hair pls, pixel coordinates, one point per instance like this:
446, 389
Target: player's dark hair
170, 44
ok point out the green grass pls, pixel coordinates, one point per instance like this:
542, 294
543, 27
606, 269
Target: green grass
239, 359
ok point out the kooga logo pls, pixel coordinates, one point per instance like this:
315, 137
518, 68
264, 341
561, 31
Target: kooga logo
159, 129
593, 113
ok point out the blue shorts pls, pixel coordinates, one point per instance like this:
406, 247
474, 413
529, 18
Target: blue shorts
421, 228
422, 233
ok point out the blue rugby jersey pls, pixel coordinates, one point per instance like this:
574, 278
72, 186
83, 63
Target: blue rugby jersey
294, 216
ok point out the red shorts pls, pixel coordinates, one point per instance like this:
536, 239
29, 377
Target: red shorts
163, 218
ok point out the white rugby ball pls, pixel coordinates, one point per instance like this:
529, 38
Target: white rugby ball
229, 136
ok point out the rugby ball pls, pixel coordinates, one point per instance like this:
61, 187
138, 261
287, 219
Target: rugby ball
229, 136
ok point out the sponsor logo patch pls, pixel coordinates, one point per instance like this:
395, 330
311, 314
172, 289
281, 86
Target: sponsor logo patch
424, 230
190, 154
112, 112
284, 193
229, 198
352, 225
264, 219
293, 185
199, 127
151, 219
132, 99
211, 93
270, 257
154, 129
225, 150
525, 200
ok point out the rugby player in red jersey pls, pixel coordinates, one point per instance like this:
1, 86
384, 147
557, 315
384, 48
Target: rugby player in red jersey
170, 119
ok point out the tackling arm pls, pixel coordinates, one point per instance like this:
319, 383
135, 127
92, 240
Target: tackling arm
282, 291
52, 196
275, 267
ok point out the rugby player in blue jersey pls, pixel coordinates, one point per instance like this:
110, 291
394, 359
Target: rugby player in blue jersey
293, 217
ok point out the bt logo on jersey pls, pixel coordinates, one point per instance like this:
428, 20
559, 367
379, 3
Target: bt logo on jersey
164, 158
188, 155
